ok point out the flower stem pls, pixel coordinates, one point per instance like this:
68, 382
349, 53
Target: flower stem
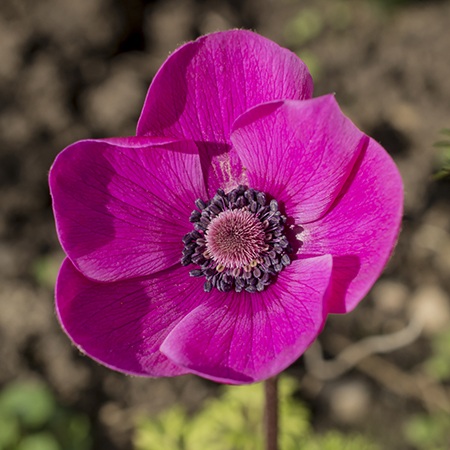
271, 413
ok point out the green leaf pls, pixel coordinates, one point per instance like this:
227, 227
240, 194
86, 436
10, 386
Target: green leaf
334, 440
164, 432
234, 421
231, 421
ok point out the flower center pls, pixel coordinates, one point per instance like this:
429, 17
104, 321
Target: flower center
235, 238
238, 241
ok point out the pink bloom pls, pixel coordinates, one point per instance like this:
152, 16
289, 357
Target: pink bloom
296, 212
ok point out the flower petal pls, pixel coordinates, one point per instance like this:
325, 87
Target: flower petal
122, 324
300, 152
122, 206
206, 84
243, 338
361, 229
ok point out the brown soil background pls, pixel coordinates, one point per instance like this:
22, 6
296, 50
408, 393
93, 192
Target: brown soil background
78, 69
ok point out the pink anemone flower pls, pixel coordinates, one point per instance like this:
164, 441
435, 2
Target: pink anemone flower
217, 240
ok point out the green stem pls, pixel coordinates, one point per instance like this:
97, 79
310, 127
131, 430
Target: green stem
271, 413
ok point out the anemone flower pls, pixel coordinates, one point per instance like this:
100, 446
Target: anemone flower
218, 239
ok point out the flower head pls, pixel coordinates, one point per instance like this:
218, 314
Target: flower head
218, 239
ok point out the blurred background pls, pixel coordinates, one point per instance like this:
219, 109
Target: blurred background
79, 69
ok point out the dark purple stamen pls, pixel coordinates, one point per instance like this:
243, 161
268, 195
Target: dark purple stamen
238, 241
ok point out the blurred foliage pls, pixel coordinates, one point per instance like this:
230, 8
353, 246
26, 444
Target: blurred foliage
310, 59
444, 155
392, 4
432, 431
429, 432
438, 365
46, 268
307, 25
233, 422
312, 22
30, 419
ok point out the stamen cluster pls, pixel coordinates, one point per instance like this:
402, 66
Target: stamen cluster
238, 241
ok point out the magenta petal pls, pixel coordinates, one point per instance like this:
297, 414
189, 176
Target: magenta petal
301, 152
122, 205
361, 229
137, 141
243, 338
123, 324
206, 84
